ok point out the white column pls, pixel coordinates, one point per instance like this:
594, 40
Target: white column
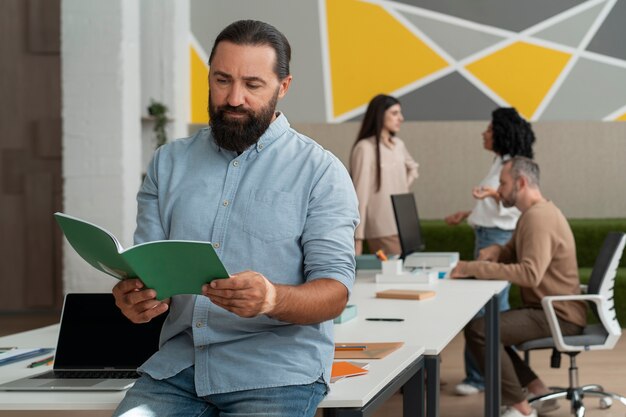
101, 124
165, 26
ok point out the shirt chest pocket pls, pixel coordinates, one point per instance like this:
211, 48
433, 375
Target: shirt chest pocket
271, 215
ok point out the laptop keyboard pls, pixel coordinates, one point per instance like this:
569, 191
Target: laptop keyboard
89, 375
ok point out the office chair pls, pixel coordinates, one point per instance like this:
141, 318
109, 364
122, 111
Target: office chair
601, 336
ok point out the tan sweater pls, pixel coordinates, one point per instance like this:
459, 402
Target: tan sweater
398, 171
541, 259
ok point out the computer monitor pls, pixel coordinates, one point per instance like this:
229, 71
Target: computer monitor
408, 222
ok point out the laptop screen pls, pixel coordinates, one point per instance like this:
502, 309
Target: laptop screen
94, 334
408, 222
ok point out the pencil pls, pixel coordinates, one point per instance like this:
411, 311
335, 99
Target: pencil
44, 361
350, 347
381, 255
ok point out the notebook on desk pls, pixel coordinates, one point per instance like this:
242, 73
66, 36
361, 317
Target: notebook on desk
98, 348
411, 239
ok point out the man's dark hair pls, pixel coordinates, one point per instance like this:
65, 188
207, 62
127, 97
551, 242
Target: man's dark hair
525, 167
512, 135
254, 32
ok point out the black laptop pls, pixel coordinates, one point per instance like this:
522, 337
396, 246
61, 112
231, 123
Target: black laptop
98, 348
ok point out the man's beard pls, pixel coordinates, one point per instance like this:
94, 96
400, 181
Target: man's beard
239, 134
510, 200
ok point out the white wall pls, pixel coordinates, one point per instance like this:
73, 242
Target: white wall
164, 67
101, 130
105, 92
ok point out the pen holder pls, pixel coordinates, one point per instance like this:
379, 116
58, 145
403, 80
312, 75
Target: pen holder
393, 272
392, 267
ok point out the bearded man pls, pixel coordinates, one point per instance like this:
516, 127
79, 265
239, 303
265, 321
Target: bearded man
541, 259
280, 212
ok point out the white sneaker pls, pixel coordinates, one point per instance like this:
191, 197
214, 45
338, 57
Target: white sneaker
514, 412
466, 389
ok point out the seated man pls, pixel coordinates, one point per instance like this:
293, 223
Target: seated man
541, 259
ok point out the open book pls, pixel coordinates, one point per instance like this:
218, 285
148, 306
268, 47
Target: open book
168, 266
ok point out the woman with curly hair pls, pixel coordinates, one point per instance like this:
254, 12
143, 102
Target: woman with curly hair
507, 135
380, 166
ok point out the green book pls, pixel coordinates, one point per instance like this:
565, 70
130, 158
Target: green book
170, 267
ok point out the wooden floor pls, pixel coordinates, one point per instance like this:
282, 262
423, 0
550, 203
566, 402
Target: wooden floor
607, 368
601, 367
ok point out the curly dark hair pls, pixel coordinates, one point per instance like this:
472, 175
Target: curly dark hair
512, 135
373, 123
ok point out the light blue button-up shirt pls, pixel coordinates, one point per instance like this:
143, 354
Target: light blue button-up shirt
285, 208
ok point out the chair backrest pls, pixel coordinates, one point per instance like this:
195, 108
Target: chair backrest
602, 279
605, 268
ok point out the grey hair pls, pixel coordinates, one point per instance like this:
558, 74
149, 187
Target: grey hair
527, 168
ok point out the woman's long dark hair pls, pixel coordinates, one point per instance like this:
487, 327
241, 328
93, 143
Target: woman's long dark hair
372, 125
512, 135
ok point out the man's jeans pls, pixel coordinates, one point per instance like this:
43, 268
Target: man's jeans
485, 236
176, 396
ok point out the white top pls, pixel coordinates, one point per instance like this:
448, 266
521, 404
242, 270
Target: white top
488, 213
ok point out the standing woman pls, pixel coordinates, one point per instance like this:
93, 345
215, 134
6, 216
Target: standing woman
507, 135
380, 166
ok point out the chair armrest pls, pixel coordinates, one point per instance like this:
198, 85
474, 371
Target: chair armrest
548, 307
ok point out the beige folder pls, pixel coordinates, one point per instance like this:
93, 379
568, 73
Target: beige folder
371, 350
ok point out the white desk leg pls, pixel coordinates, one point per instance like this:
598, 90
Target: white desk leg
492, 359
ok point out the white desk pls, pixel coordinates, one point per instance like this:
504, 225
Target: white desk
351, 396
431, 323
359, 396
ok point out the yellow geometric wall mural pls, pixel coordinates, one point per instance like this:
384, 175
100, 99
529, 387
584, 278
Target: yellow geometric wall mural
199, 88
371, 52
437, 58
521, 73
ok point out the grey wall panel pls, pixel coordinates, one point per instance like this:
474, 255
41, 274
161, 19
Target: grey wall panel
449, 98
571, 31
457, 41
609, 39
592, 90
299, 21
513, 15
